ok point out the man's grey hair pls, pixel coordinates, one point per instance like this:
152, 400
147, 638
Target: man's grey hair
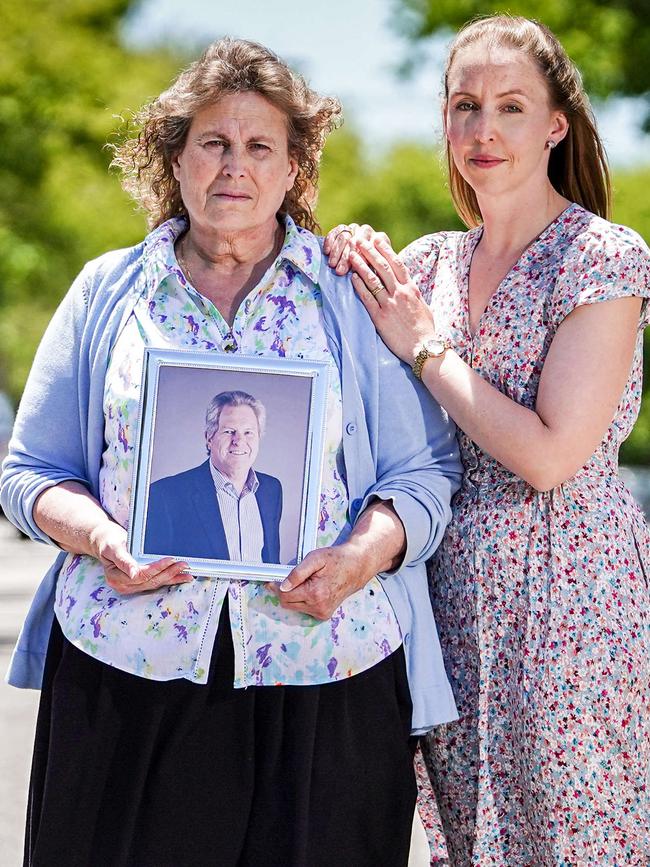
233, 398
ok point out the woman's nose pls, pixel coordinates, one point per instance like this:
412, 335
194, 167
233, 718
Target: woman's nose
234, 163
484, 126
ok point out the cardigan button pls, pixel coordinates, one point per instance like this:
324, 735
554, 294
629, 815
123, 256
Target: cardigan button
350, 428
356, 505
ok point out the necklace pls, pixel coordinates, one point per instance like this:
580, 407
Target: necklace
180, 255
183, 264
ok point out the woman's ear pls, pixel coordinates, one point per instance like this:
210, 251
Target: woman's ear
559, 127
293, 173
176, 167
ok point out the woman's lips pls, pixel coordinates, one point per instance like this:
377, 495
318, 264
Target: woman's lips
232, 197
486, 162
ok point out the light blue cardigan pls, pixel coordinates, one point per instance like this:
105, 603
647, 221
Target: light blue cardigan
398, 444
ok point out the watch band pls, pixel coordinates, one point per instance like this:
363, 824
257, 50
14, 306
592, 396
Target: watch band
425, 352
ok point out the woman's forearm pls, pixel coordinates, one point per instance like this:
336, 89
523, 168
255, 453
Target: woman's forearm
583, 378
379, 536
71, 516
512, 434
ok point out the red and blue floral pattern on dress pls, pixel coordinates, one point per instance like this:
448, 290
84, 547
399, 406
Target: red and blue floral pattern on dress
542, 599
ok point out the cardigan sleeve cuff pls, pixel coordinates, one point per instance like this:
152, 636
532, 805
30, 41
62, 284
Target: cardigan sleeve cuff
415, 519
18, 504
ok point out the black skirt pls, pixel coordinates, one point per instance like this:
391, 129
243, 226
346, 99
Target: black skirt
130, 772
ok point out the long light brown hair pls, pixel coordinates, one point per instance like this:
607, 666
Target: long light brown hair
578, 165
227, 66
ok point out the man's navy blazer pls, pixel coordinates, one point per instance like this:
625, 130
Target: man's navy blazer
184, 519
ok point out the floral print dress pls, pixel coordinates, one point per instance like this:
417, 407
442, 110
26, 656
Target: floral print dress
542, 598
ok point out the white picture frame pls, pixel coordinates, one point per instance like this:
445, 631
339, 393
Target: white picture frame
176, 492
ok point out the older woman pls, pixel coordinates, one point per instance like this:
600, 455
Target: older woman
533, 341
274, 728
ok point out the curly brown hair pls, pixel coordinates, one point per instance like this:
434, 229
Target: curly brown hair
227, 66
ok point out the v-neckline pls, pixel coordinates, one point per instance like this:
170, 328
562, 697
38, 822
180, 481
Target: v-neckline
469, 255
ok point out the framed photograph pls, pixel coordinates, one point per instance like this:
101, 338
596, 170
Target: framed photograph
228, 463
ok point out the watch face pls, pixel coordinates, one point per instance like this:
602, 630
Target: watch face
434, 346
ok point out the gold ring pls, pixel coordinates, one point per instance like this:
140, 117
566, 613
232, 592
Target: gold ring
375, 292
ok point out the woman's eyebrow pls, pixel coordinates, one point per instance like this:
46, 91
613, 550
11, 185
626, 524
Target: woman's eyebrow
216, 133
514, 91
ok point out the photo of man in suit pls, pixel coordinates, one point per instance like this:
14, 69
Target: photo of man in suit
222, 509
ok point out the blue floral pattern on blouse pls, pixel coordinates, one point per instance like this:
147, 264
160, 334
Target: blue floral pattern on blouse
169, 633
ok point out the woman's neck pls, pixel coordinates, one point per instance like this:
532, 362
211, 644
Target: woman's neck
512, 221
230, 251
226, 266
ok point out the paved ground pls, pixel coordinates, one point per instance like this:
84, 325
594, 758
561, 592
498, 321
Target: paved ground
22, 564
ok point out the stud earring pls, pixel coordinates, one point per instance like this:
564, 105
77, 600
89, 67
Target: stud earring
550, 144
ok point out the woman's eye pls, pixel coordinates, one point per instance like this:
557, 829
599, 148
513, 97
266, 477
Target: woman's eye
512, 109
465, 106
258, 146
214, 142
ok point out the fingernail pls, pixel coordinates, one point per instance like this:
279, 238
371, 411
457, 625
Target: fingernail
286, 585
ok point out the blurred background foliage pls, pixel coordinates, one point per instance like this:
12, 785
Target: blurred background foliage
609, 41
66, 77
63, 76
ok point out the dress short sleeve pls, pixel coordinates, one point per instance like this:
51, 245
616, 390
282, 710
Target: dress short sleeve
603, 264
421, 259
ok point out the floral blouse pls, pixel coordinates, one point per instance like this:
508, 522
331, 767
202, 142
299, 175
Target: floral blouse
169, 633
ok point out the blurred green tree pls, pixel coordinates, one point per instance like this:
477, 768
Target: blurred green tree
610, 42
632, 208
64, 72
404, 192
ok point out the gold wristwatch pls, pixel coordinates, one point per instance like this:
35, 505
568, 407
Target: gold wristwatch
434, 347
